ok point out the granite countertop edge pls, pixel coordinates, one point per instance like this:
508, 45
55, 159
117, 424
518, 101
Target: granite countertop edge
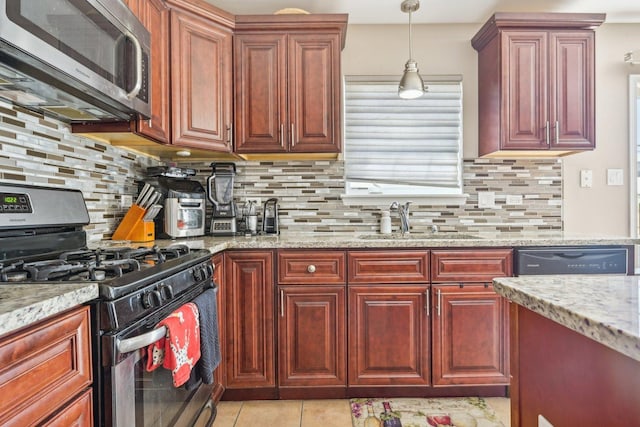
292, 241
24, 304
568, 309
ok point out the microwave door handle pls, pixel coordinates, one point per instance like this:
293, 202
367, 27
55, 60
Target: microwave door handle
128, 345
136, 88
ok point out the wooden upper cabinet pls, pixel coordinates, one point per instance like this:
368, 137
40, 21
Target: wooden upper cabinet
201, 70
536, 83
287, 83
154, 15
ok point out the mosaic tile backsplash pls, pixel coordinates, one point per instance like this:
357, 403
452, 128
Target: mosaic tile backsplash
41, 151
309, 199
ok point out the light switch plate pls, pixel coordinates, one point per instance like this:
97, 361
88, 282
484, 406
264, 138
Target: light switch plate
586, 178
486, 200
615, 177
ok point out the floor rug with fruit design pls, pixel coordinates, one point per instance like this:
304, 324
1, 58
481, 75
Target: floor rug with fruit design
414, 412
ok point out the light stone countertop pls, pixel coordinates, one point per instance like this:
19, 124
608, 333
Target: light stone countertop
350, 241
24, 304
603, 308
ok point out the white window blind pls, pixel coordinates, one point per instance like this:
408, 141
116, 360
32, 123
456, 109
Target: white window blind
395, 146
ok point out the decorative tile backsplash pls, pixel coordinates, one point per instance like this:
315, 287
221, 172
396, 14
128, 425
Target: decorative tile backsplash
41, 151
309, 196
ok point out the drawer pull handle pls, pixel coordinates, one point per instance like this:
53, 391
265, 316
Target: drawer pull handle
311, 268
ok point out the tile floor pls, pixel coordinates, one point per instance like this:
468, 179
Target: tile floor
307, 413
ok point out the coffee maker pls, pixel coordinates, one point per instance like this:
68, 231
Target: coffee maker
220, 194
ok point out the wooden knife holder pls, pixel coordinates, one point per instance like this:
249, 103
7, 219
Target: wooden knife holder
134, 228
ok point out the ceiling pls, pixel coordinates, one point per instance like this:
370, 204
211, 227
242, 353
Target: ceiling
436, 11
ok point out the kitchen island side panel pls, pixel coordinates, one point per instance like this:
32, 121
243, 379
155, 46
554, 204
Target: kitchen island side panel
568, 378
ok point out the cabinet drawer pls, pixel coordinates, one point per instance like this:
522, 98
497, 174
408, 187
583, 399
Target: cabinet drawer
44, 367
388, 266
311, 267
78, 413
470, 265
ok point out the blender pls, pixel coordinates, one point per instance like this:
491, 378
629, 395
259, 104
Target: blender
220, 194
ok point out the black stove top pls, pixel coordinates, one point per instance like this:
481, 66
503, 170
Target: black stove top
88, 264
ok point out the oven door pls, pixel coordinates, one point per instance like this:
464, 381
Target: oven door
135, 397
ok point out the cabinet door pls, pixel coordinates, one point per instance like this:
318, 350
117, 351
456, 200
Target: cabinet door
525, 123
218, 278
262, 124
469, 335
388, 335
312, 336
314, 93
200, 82
249, 319
154, 15
572, 88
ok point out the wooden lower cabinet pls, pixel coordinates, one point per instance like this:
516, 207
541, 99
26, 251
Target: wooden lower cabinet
218, 278
470, 345
78, 413
388, 335
312, 336
249, 331
43, 371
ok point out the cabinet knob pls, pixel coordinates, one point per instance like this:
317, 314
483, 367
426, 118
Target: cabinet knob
311, 268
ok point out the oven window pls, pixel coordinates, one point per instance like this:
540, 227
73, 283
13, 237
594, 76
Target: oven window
149, 399
77, 29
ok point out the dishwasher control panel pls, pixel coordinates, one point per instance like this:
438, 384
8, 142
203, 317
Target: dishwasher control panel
571, 260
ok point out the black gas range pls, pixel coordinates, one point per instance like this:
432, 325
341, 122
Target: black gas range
42, 241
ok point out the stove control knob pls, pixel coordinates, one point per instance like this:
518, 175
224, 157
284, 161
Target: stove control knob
197, 274
166, 291
151, 299
146, 300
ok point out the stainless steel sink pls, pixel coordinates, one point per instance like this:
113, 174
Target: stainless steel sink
418, 236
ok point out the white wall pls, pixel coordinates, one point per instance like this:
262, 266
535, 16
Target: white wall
446, 49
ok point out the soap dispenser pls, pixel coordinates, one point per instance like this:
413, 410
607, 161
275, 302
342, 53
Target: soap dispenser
385, 223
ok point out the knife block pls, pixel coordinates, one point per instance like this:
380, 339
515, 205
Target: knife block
133, 228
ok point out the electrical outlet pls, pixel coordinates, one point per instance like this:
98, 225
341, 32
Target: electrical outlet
126, 200
514, 199
586, 178
486, 200
615, 177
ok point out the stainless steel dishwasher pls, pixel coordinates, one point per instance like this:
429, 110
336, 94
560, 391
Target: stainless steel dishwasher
573, 260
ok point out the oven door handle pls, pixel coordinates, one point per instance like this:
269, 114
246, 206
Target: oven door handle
141, 341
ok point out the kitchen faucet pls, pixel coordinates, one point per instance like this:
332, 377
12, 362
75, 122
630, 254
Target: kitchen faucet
403, 211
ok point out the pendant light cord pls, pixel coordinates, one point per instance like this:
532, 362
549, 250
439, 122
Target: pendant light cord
410, 41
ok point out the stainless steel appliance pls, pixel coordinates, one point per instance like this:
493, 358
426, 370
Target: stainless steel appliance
220, 194
184, 202
41, 239
573, 260
76, 60
270, 217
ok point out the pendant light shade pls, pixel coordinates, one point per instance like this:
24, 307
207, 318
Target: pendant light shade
411, 85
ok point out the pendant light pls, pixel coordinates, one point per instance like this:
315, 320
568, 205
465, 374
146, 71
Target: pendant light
411, 85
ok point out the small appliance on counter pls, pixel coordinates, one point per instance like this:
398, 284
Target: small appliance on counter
184, 202
220, 194
270, 217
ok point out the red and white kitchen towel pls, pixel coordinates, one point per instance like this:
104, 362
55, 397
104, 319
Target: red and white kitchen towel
179, 349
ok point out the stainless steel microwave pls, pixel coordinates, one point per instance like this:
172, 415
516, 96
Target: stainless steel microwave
77, 60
